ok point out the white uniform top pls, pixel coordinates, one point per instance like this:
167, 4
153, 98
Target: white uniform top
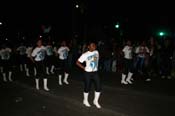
141, 50
127, 50
91, 59
39, 53
49, 50
63, 52
29, 51
22, 50
5, 53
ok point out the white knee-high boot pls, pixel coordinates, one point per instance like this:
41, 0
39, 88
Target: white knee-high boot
114, 66
47, 70
52, 69
4, 77
123, 79
96, 98
27, 72
129, 78
60, 79
85, 99
10, 76
25, 67
45, 85
65, 78
35, 72
37, 83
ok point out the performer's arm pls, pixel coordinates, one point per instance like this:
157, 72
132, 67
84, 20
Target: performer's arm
80, 65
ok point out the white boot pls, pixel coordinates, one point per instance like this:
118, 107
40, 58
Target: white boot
114, 66
47, 70
4, 77
129, 78
25, 67
45, 85
123, 79
96, 98
10, 76
52, 69
35, 72
37, 83
27, 72
65, 78
60, 80
85, 100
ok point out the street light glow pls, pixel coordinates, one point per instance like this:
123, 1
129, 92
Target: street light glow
117, 26
77, 6
161, 33
0, 23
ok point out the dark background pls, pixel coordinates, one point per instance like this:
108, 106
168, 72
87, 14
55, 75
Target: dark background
93, 19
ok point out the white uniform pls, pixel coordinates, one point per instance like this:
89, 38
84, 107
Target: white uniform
127, 50
39, 53
22, 50
5, 53
141, 50
29, 51
49, 50
91, 59
63, 52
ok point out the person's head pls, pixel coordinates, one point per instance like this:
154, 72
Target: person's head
63, 43
49, 43
92, 46
39, 43
151, 40
128, 42
143, 43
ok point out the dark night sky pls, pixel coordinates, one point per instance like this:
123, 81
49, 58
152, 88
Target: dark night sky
137, 16
98, 9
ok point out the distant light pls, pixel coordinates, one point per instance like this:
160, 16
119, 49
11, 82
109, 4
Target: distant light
117, 26
161, 33
6, 39
0, 23
77, 6
40, 36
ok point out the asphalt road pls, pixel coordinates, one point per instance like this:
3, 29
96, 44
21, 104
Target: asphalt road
155, 98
